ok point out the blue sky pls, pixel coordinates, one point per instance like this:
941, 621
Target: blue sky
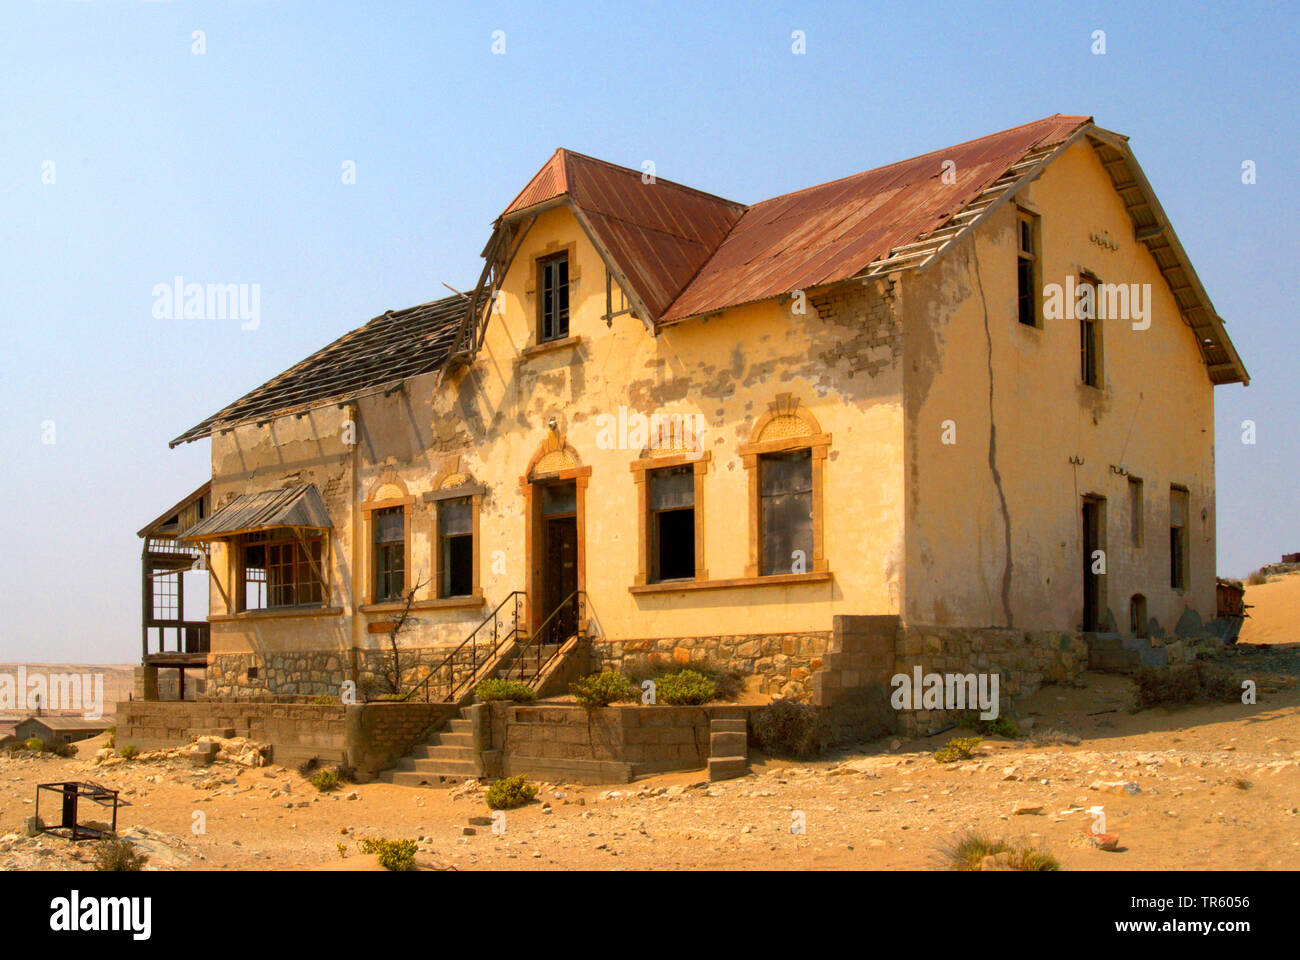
225, 166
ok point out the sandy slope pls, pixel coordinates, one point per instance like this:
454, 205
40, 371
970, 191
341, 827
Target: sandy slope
1274, 609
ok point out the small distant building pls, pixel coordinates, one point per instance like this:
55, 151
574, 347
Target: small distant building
55, 730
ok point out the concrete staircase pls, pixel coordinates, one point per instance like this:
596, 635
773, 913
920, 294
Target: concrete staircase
450, 756
455, 753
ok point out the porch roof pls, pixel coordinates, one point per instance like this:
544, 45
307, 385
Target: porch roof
299, 507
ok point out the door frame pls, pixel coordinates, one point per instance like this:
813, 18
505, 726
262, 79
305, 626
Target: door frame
535, 537
1094, 584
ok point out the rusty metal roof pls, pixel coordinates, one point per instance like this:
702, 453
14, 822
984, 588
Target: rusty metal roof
296, 506
831, 232
657, 233
391, 348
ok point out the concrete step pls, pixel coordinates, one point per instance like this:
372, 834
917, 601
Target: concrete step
448, 768
453, 740
403, 778
459, 726
433, 751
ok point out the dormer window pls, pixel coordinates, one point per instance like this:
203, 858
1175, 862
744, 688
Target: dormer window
553, 283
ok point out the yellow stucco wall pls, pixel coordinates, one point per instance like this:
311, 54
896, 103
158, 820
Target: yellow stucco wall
727, 368
970, 360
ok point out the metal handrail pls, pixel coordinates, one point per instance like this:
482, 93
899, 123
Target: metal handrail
538, 638
500, 636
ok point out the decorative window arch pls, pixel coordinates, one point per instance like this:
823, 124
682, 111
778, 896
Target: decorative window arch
786, 462
456, 501
386, 512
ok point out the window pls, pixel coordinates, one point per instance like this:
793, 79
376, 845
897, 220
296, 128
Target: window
671, 502
389, 529
1089, 331
456, 547
1178, 538
553, 282
1027, 268
785, 512
278, 569
1135, 510
1137, 615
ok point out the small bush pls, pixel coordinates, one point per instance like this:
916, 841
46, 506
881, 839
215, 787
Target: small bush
112, 738
35, 743
685, 687
601, 689
113, 854
785, 728
1054, 737
1002, 726
728, 683
127, 752
495, 688
396, 855
969, 851
1184, 683
508, 793
307, 766
959, 748
1242, 784
325, 780
1257, 579
63, 750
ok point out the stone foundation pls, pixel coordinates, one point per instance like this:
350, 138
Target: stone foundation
1023, 661
784, 663
322, 673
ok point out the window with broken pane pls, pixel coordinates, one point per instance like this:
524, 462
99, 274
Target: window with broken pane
389, 553
456, 547
553, 281
785, 512
671, 503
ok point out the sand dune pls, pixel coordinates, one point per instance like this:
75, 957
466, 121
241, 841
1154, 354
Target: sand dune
1274, 611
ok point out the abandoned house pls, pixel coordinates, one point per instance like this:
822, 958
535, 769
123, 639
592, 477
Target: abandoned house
955, 411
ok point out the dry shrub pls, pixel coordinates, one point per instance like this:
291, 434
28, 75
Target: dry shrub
1184, 683
785, 728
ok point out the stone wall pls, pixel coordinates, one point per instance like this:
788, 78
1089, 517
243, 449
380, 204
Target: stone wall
609, 745
853, 683
366, 738
319, 672
1023, 661
783, 663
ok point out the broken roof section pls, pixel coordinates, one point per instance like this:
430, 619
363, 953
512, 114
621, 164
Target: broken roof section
386, 351
298, 507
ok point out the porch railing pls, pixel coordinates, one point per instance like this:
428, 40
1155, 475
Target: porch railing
546, 642
483, 644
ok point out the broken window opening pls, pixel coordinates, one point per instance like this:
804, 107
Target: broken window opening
672, 523
1135, 510
456, 546
1137, 615
785, 512
1178, 538
1089, 333
553, 283
1027, 299
390, 553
